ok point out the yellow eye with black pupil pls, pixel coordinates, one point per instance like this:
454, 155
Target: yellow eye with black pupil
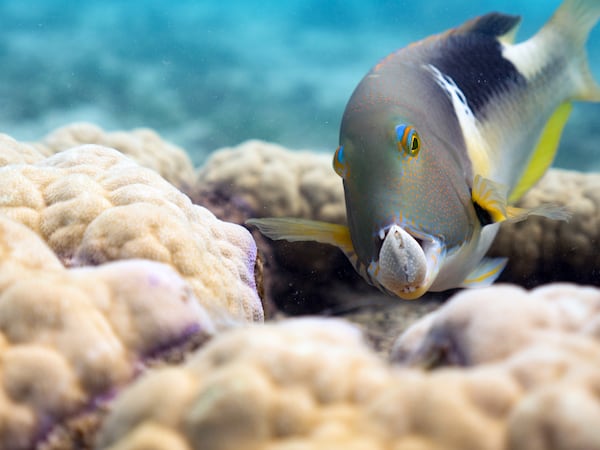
415, 145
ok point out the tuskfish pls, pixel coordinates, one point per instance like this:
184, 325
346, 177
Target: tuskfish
441, 138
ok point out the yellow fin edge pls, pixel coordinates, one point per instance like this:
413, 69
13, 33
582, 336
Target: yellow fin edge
490, 196
486, 272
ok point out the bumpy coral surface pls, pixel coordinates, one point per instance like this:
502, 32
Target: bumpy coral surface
483, 326
13, 152
274, 181
143, 145
312, 383
70, 336
91, 204
258, 179
297, 383
547, 340
542, 250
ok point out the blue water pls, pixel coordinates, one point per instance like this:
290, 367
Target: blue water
207, 74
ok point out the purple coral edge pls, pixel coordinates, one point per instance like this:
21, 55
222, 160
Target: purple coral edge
188, 333
48, 424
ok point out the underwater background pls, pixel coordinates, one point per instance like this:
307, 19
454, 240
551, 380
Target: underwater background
207, 74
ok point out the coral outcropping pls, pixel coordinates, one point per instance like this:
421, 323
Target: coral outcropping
70, 336
128, 314
91, 204
313, 383
142, 145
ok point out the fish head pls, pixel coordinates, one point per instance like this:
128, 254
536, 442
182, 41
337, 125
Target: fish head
407, 202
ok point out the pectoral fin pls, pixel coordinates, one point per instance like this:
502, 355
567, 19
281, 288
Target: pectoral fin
489, 199
294, 230
549, 210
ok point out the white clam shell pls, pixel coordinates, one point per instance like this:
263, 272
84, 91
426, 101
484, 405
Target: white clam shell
402, 261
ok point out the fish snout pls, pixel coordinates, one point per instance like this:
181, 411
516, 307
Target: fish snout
402, 265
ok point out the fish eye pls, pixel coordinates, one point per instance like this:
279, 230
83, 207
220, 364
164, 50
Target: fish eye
407, 139
339, 161
415, 144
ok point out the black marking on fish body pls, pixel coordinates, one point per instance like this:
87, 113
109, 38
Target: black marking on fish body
492, 24
483, 215
471, 56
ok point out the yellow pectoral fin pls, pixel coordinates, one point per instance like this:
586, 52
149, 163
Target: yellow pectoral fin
491, 197
549, 210
294, 230
544, 152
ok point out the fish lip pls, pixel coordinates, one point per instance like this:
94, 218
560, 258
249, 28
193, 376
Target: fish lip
383, 232
423, 256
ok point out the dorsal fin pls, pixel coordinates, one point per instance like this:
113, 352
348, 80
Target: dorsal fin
501, 26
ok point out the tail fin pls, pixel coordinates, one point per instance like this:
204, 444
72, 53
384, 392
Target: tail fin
574, 20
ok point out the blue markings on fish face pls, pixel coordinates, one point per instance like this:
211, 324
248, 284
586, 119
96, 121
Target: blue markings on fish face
339, 162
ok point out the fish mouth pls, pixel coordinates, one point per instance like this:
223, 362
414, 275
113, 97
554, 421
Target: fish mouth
407, 262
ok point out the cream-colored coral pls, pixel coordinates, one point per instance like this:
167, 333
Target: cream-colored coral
91, 204
13, 152
296, 383
487, 325
313, 384
548, 340
68, 336
275, 181
143, 145
540, 249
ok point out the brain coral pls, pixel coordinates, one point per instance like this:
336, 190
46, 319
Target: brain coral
91, 204
483, 326
312, 383
274, 181
70, 336
13, 152
142, 145
542, 250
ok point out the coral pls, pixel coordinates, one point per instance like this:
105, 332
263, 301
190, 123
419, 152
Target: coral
274, 181
488, 325
70, 336
143, 145
13, 152
106, 269
91, 204
546, 339
312, 383
258, 179
296, 382
542, 250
